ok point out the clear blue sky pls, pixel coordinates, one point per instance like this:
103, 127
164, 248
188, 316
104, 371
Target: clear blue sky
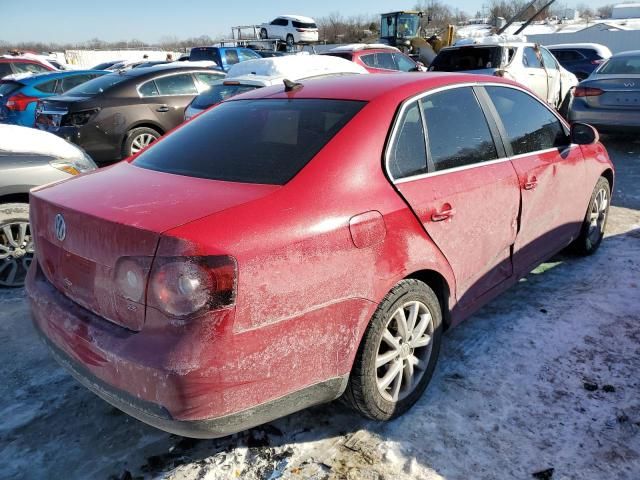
111, 20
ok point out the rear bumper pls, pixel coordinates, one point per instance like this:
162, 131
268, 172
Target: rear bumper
605, 120
137, 372
100, 146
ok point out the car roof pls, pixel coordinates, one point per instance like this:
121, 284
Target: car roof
298, 18
29, 79
168, 68
588, 46
354, 47
295, 67
394, 87
628, 53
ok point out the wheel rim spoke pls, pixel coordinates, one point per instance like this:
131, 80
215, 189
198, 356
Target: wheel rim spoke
413, 316
384, 358
401, 322
417, 363
8, 232
394, 370
421, 341
408, 374
395, 391
390, 340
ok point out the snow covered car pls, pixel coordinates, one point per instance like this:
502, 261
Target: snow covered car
530, 64
377, 57
291, 28
28, 158
252, 74
220, 280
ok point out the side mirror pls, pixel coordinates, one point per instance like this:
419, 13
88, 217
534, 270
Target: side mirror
584, 134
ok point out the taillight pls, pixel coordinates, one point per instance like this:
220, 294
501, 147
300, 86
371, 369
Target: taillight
77, 119
587, 92
300, 29
597, 62
185, 286
19, 102
131, 277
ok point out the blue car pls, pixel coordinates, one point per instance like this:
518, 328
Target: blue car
225, 57
581, 59
19, 94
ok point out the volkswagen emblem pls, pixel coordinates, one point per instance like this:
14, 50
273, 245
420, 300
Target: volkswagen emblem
631, 84
60, 227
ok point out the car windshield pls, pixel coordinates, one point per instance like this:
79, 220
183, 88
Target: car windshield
264, 141
467, 58
97, 85
218, 93
621, 66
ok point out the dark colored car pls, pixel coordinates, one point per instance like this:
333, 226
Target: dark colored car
291, 245
609, 98
580, 58
11, 65
225, 57
117, 115
106, 65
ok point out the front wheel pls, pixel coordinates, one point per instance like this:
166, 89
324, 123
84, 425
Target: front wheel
398, 352
595, 221
16, 244
264, 34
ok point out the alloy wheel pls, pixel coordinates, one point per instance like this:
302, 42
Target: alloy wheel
598, 215
141, 141
404, 351
16, 253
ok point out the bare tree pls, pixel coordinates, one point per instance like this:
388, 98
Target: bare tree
605, 11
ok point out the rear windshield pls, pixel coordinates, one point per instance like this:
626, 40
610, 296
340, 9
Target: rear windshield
469, 58
621, 66
202, 54
218, 93
303, 24
97, 85
252, 141
8, 87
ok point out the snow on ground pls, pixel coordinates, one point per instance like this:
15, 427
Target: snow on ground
544, 377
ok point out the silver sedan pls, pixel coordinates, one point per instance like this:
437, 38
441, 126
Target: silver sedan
609, 98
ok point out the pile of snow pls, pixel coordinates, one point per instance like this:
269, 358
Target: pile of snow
16, 139
295, 67
492, 40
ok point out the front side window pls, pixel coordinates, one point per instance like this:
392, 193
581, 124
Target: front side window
550, 62
408, 155
457, 130
530, 58
244, 55
385, 61
21, 67
530, 126
404, 64
181, 84
283, 136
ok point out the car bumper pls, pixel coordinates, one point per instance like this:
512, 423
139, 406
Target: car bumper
307, 37
605, 119
177, 400
100, 146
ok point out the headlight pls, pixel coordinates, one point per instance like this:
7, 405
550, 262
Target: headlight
75, 166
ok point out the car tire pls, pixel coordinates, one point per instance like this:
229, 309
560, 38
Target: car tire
290, 40
595, 220
368, 390
137, 139
264, 34
16, 247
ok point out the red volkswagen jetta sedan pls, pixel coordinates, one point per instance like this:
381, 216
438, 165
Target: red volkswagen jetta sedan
289, 247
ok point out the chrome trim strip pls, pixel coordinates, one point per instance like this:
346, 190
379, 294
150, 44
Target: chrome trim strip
419, 96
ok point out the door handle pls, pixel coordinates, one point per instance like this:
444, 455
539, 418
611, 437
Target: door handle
531, 183
162, 108
447, 212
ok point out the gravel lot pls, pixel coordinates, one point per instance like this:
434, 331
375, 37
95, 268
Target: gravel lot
544, 377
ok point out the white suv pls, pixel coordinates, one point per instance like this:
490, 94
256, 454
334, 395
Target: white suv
291, 28
530, 64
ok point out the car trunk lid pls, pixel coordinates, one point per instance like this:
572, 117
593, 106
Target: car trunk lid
83, 229
619, 91
52, 111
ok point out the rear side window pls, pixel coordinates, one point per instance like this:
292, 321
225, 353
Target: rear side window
231, 57
149, 89
530, 126
283, 136
457, 130
530, 58
47, 87
303, 24
408, 154
345, 55
467, 58
369, 60
281, 22
181, 84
